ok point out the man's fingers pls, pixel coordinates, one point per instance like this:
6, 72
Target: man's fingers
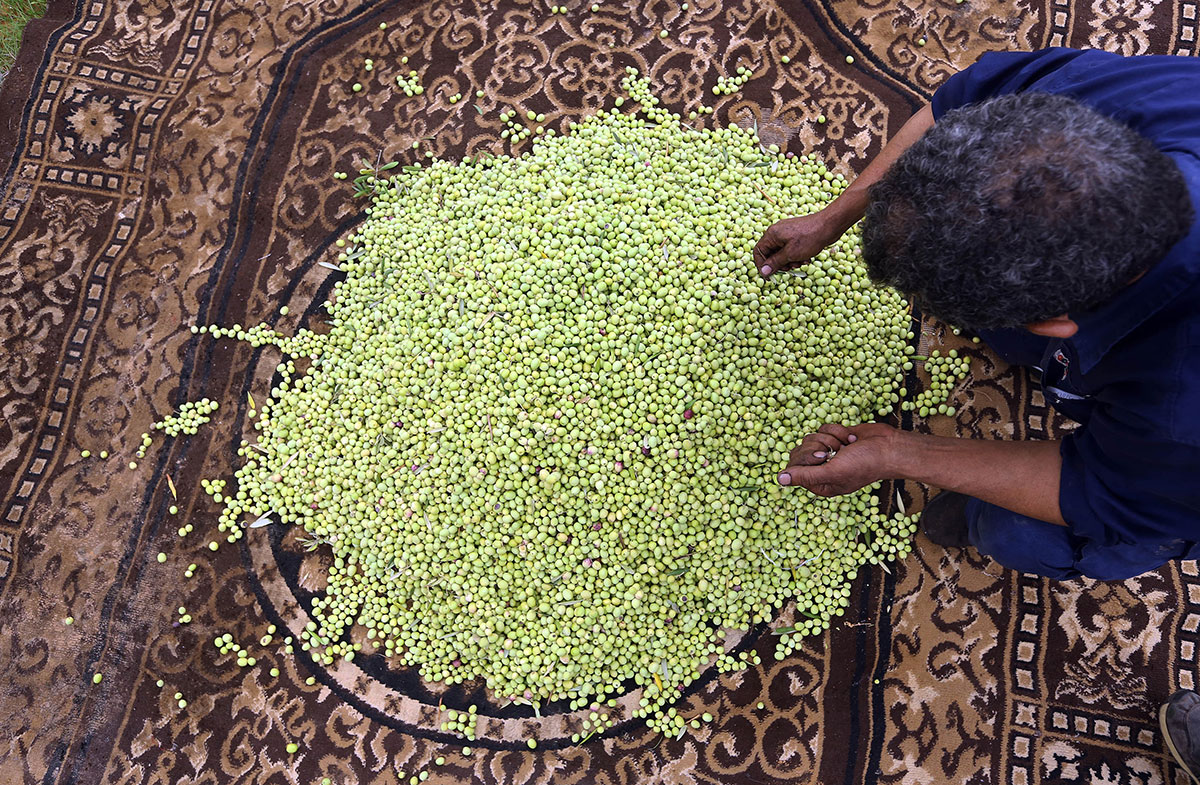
839, 432
769, 253
774, 262
808, 455
813, 478
785, 257
767, 244
791, 256
763, 250
830, 443
767, 264
797, 475
814, 450
759, 258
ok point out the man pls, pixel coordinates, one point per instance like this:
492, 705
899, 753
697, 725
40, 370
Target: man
1046, 200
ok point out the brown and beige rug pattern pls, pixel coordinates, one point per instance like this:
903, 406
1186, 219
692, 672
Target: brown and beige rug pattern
168, 162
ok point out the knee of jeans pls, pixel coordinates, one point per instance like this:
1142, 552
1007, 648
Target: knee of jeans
984, 531
989, 542
1021, 543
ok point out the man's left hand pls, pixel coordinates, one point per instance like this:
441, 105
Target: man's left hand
836, 460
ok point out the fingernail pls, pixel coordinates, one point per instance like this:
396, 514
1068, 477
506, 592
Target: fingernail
852, 438
765, 270
784, 479
818, 455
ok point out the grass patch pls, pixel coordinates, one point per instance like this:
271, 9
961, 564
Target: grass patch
14, 15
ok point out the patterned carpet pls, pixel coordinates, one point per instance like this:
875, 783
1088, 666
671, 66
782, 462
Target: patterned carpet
167, 162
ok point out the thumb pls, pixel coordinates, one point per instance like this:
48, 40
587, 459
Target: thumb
774, 262
767, 246
800, 475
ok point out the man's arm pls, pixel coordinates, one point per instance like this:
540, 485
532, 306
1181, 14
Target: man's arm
794, 241
1019, 476
851, 205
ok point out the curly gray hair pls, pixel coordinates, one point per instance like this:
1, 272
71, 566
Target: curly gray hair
1021, 208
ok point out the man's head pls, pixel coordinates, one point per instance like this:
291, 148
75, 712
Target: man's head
1020, 209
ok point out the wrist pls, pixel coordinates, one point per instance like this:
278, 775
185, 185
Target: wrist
902, 456
846, 210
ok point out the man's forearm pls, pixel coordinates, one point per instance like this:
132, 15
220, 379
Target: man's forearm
1018, 476
850, 206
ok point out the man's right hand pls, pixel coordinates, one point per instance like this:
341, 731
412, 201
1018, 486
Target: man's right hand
793, 241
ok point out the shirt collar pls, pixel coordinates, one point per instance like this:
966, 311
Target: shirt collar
1102, 327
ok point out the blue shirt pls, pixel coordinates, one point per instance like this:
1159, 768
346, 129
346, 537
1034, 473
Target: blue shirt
1131, 374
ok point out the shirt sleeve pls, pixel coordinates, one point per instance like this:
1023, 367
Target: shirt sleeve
1154, 95
998, 73
1120, 483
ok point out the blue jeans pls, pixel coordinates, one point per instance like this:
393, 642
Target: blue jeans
1029, 545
